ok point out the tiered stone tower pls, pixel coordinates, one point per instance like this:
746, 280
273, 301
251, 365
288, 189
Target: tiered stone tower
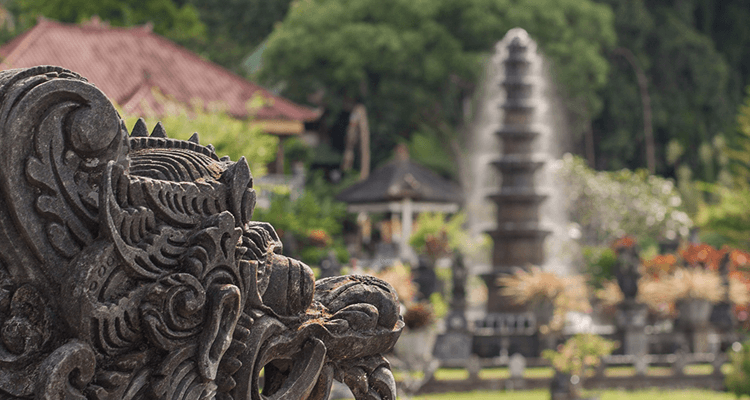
518, 237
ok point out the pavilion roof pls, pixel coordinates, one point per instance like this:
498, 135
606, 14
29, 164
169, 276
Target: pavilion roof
400, 179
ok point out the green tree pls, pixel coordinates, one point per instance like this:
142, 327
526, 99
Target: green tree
737, 380
412, 62
724, 219
725, 21
739, 155
310, 226
230, 136
608, 205
179, 23
235, 28
689, 83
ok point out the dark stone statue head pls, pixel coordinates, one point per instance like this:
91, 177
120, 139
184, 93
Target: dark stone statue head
132, 268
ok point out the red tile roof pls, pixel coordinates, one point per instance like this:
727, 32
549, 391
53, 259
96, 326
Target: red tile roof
126, 63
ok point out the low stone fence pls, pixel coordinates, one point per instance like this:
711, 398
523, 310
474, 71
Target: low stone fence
699, 370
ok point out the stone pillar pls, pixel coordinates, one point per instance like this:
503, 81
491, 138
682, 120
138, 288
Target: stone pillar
518, 237
407, 218
631, 316
694, 321
631, 321
722, 318
455, 343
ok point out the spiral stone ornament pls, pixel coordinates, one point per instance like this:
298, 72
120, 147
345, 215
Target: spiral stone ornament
131, 268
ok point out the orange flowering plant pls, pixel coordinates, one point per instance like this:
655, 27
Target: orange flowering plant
691, 273
319, 238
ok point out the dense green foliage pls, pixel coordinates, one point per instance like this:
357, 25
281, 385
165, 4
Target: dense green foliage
309, 227
693, 60
738, 381
411, 62
738, 156
599, 262
437, 227
230, 136
726, 221
179, 23
724, 218
439, 235
579, 353
235, 28
609, 205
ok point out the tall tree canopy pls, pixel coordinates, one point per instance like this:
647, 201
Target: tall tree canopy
693, 92
235, 27
411, 62
179, 23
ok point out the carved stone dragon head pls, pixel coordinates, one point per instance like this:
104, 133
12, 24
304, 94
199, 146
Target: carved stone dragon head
131, 268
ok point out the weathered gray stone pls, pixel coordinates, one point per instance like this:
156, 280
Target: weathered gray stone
453, 346
517, 365
631, 319
131, 268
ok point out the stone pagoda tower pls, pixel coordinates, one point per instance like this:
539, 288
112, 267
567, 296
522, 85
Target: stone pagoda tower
518, 236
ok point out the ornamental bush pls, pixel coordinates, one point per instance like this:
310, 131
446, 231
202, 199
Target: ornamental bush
738, 381
311, 221
438, 236
230, 136
579, 353
609, 205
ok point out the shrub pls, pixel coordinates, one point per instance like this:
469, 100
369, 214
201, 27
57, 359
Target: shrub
535, 287
233, 137
738, 381
438, 236
579, 353
608, 205
599, 261
419, 315
311, 221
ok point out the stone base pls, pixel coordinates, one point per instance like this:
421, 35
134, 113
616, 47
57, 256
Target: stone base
497, 303
631, 321
453, 346
694, 321
698, 339
490, 346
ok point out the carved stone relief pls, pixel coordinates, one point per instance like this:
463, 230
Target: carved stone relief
131, 268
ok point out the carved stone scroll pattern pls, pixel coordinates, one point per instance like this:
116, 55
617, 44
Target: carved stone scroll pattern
131, 268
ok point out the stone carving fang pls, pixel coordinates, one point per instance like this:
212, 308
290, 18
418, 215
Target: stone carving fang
130, 268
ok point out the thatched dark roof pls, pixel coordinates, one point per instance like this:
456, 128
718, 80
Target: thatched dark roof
400, 179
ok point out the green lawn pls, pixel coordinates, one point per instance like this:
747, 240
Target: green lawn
606, 395
547, 372
447, 374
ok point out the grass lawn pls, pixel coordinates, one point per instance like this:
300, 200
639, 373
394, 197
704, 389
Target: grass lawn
444, 374
606, 395
547, 372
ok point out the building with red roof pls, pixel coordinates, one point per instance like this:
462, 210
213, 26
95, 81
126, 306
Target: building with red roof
128, 64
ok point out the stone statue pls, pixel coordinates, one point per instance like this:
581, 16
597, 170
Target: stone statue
627, 271
131, 268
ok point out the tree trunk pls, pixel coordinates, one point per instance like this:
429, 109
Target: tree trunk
648, 133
